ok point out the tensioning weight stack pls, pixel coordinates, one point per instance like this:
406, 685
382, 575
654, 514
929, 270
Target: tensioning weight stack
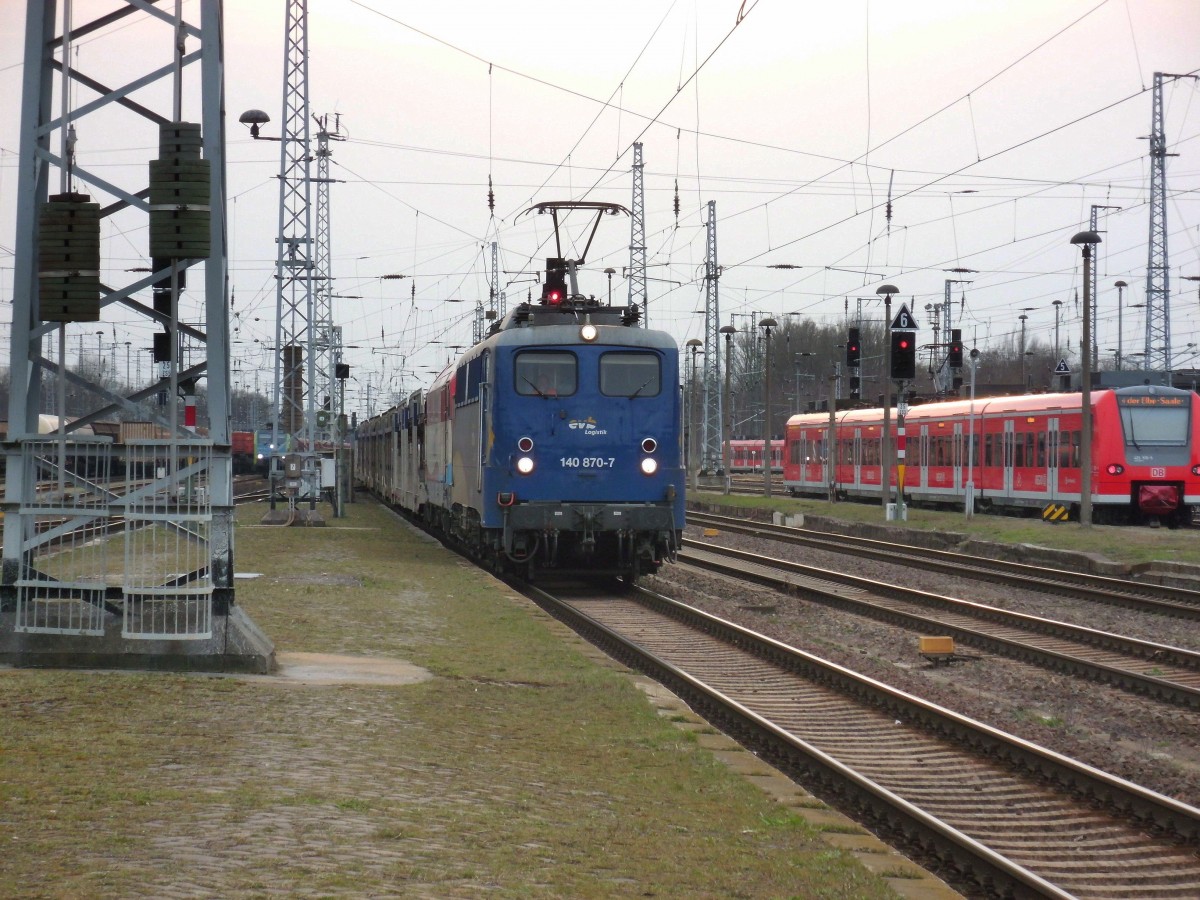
69, 259
180, 186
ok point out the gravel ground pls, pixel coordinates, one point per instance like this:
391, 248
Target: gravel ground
1150, 743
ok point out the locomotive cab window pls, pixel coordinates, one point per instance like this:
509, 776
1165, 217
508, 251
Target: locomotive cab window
545, 373
630, 375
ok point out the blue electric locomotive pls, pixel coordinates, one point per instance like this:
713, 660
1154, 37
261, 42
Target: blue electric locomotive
552, 444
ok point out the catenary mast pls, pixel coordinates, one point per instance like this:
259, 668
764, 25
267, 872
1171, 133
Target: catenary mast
637, 239
711, 457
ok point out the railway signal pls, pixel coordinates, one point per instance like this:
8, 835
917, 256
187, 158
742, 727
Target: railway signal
904, 356
956, 349
853, 349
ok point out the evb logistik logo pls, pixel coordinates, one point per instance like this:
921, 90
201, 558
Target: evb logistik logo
587, 426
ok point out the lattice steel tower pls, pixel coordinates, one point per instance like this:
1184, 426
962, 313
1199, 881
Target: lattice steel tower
327, 339
56, 487
294, 428
711, 457
1158, 297
637, 239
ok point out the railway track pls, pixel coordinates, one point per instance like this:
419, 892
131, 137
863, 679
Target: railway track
1181, 602
1165, 673
995, 815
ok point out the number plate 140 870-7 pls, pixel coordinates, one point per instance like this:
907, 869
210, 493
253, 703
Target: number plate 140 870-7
587, 462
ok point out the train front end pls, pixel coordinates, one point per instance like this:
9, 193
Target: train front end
1151, 466
586, 470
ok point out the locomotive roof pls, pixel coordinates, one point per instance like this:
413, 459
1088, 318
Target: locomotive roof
984, 406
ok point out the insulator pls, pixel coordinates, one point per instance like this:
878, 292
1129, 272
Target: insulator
69, 259
676, 200
491, 196
180, 191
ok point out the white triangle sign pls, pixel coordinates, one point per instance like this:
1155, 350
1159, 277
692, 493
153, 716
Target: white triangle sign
904, 320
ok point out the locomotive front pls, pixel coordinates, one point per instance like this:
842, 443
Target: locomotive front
585, 458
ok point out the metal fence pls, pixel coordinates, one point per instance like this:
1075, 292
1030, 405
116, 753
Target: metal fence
65, 514
167, 583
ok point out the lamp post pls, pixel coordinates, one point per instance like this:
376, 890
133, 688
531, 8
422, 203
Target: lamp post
1086, 241
1057, 310
1025, 310
969, 494
885, 475
1120, 286
766, 325
694, 345
727, 424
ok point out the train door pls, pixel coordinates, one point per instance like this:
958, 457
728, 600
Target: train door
1007, 445
922, 458
958, 458
485, 420
1052, 440
857, 460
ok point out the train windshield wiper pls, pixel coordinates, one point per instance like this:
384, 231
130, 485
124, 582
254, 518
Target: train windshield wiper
1133, 434
536, 389
644, 384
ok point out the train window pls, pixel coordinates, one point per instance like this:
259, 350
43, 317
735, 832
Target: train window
630, 375
546, 373
1155, 426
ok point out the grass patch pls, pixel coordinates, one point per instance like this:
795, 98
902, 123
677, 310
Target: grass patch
522, 769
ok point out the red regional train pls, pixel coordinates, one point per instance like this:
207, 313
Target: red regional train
1018, 452
745, 455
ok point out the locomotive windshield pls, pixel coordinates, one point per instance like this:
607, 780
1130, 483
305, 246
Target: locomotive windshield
630, 375
1154, 421
545, 373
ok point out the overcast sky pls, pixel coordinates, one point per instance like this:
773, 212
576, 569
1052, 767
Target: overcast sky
997, 125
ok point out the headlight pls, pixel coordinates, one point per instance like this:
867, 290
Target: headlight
588, 332
525, 465
649, 466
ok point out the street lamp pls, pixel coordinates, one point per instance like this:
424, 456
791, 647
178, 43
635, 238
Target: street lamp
254, 118
694, 345
727, 425
766, 325
1120, 286
885, 475
1086, 241
1023, 317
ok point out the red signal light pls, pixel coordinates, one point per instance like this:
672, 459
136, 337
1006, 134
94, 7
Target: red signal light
903, 344
554, 297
